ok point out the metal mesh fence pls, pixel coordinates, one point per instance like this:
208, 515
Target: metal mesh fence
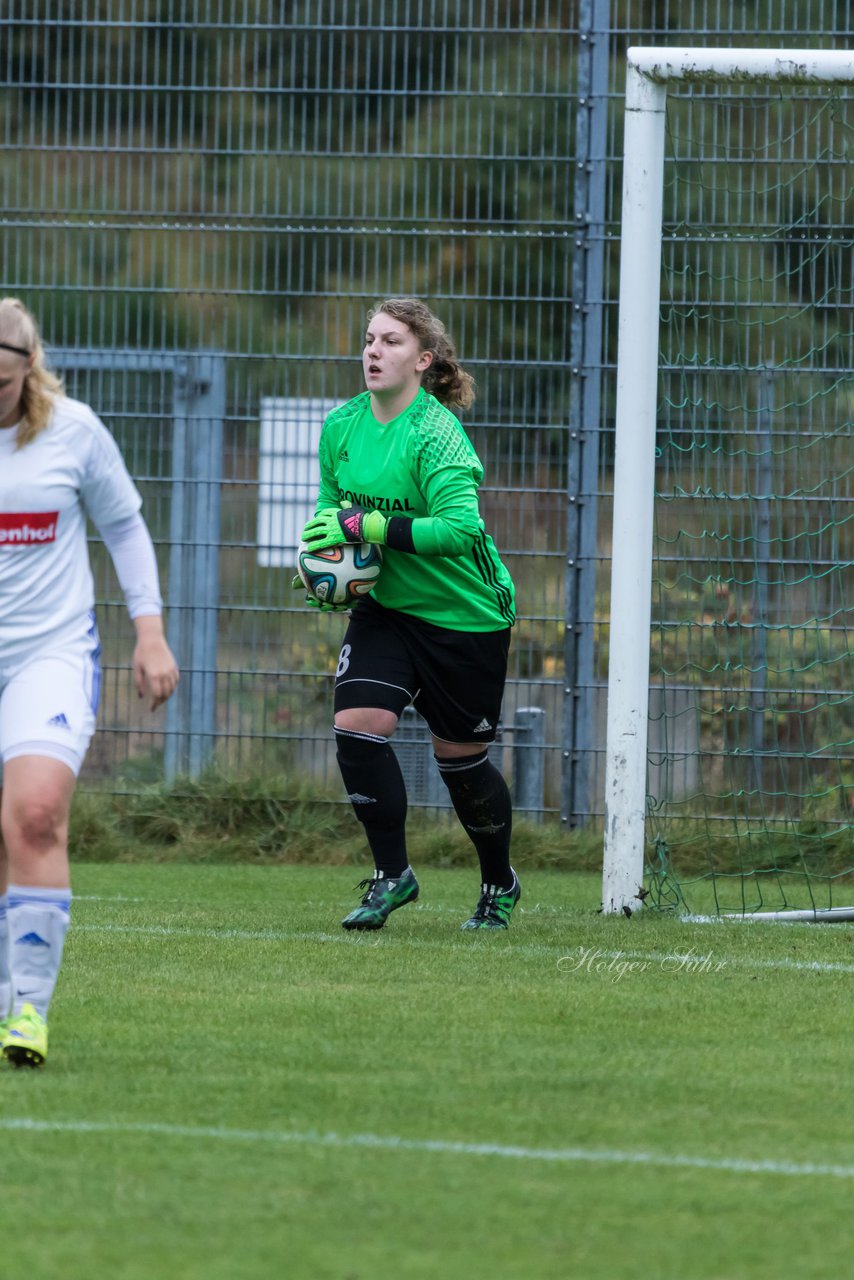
201, 200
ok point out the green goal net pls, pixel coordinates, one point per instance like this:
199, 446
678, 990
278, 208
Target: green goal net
750, 780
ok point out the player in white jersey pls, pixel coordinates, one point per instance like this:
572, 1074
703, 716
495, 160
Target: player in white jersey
58, 464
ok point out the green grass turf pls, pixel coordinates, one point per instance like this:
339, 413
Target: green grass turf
226, 1005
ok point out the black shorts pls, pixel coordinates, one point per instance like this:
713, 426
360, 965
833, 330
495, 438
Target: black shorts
454, 679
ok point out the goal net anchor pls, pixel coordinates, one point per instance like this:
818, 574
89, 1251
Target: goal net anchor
818, 915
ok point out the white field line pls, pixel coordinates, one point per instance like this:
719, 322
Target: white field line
565, 1155
570, 959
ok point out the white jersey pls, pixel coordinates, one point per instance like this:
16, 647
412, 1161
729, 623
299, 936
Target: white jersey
72, 469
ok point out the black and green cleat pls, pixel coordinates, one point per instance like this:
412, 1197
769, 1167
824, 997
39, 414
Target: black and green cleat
495, 906
382, 896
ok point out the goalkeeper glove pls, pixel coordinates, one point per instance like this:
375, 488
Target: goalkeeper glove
298, 585
331, 527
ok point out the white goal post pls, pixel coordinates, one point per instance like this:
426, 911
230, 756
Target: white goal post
650, 71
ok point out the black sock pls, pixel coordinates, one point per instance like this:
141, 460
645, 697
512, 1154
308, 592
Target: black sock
376, 790
481, 799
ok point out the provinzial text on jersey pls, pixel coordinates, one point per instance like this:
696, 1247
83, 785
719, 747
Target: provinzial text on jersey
27, 529
372, 503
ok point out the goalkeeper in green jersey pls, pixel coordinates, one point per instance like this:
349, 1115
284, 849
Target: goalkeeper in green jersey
397, 469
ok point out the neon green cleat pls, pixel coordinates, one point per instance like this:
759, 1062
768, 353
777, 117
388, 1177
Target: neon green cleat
25, 1041
382, 896
495, 906
5, 1024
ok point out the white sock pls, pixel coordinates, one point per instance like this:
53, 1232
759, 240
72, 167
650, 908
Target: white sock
5, 971
38, 922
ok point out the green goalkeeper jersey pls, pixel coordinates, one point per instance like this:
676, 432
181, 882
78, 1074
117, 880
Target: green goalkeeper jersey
420, 467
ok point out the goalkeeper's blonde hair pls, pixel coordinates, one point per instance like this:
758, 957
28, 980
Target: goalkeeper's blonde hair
446, 378
18, 328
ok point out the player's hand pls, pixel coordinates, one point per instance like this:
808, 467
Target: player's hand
323, 530
299, 585
327, 608
331, 527
154, 667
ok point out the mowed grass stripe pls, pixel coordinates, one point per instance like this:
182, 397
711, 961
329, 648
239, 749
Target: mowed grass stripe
568, 1155
570, 959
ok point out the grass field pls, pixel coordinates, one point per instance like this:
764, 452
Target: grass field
237, 1088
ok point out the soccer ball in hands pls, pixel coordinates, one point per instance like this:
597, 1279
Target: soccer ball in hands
340, 575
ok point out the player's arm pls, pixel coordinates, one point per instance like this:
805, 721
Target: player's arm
323, 530
448, 472
328, 492
449, 530
453, 523
132, 553
327, 496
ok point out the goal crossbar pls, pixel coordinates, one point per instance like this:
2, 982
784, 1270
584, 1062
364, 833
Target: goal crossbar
649, 72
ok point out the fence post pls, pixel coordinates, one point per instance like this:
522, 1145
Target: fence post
529, 761
585, 411
762, 549
197, 468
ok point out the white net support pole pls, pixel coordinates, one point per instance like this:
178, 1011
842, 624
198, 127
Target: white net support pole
649, 72
634, 471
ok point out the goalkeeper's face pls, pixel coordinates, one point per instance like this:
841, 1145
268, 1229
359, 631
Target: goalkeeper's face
392, 360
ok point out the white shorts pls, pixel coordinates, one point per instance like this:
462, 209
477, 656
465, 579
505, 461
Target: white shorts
48, 705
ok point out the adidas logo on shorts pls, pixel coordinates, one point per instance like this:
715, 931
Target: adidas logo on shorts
59, 721
483, 727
